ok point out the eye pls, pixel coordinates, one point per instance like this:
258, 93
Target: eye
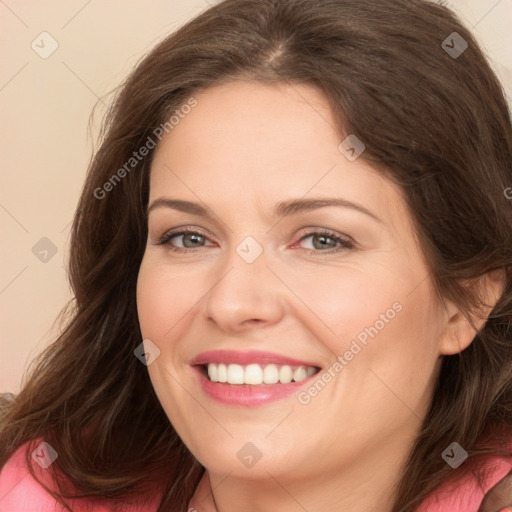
190, 239
323, 241
326, 241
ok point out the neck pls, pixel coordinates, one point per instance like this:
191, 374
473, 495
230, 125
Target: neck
365, 484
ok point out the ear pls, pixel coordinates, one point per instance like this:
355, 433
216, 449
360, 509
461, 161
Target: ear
460, 329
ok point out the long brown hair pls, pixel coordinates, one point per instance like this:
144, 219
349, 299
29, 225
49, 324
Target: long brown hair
432, 121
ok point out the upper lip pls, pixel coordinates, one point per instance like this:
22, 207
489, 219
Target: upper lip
244, 358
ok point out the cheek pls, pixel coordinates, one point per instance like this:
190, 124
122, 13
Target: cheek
162, 305
377, 322
351, 303
163, 298
393, 357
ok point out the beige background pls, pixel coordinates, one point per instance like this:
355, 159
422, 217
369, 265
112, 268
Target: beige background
45, 105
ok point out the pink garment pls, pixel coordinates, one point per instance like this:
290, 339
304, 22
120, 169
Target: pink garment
466, 497
19, 492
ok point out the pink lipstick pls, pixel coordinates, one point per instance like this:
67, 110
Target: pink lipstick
250, 378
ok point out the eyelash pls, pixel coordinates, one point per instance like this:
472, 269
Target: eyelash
344, 242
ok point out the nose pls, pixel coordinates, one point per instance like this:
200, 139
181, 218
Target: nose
245, 295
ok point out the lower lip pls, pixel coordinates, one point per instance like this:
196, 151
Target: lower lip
247, 394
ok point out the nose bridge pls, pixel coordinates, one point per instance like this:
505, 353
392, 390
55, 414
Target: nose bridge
246, 275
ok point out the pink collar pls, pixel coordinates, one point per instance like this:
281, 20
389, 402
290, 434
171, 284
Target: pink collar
467, 495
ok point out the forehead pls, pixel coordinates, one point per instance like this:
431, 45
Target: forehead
254, 143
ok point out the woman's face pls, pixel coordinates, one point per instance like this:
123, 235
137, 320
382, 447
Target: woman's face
261, 288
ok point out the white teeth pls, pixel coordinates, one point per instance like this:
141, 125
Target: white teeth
299, 374
222, 373
270, 374
235, 374
285, 374
254, 374
212, 372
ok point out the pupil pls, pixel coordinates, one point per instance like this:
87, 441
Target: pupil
323, 237
192, 236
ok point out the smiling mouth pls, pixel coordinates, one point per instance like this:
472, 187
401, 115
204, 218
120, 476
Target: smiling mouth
256, 374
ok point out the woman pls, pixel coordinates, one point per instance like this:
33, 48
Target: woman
292, 268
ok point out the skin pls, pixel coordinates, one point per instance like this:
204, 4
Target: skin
243, 148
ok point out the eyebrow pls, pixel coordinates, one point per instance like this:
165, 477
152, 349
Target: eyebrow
281, 209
